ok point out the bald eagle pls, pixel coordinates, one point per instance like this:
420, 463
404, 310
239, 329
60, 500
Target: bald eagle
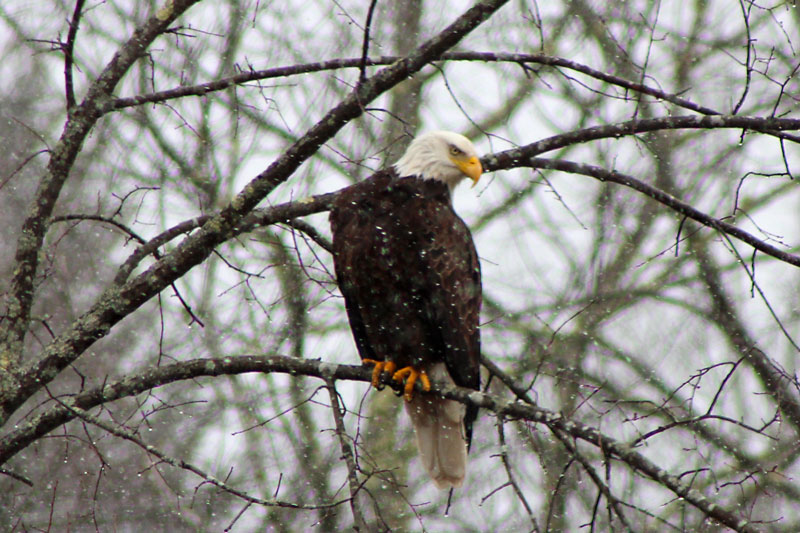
409, 273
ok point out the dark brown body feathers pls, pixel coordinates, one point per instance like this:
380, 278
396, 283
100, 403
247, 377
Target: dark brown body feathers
409, 272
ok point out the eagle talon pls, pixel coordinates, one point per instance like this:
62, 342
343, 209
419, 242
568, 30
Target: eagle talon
411, 374
380, 367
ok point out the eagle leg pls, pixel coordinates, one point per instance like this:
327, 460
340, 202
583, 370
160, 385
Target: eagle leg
411, 374
380, 367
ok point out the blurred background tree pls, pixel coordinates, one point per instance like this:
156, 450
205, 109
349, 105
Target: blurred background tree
142, 392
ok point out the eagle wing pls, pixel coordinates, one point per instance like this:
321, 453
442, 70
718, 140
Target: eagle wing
450, 281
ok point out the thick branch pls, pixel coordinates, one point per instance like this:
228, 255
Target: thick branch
28, 432
668, 200
357, 62
513, 158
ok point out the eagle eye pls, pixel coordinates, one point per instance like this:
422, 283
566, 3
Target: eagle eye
454, 150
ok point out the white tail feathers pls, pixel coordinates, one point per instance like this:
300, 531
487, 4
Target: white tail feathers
439, 425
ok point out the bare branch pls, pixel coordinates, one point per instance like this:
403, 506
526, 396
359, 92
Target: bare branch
501, 435
613, 501
349, 459
365, 46
511, 158
665, 199
69, 58
154, 377
180, 463
335, 64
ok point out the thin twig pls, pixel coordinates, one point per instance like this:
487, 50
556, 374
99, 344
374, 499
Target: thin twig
180, 463
18, 477
748, 67
365, 45
98, 218
347, 453
69, 58
501, 435
312, 232
601, 486
20, 167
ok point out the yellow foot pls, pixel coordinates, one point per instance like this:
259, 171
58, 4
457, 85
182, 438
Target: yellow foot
380, 367
411, 374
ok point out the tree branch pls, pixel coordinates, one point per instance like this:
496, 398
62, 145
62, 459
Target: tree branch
512, 158
180, 463
501, 438
69, 58
349, 459
665, 199
612, 500
359, 62
28, 432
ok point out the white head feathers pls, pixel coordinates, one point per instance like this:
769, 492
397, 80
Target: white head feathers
441, 155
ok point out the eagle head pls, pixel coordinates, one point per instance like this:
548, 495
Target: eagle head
441, 155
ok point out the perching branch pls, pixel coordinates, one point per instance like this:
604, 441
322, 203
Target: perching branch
28, 432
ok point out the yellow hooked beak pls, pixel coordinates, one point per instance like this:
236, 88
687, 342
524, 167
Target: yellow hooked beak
471, 167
